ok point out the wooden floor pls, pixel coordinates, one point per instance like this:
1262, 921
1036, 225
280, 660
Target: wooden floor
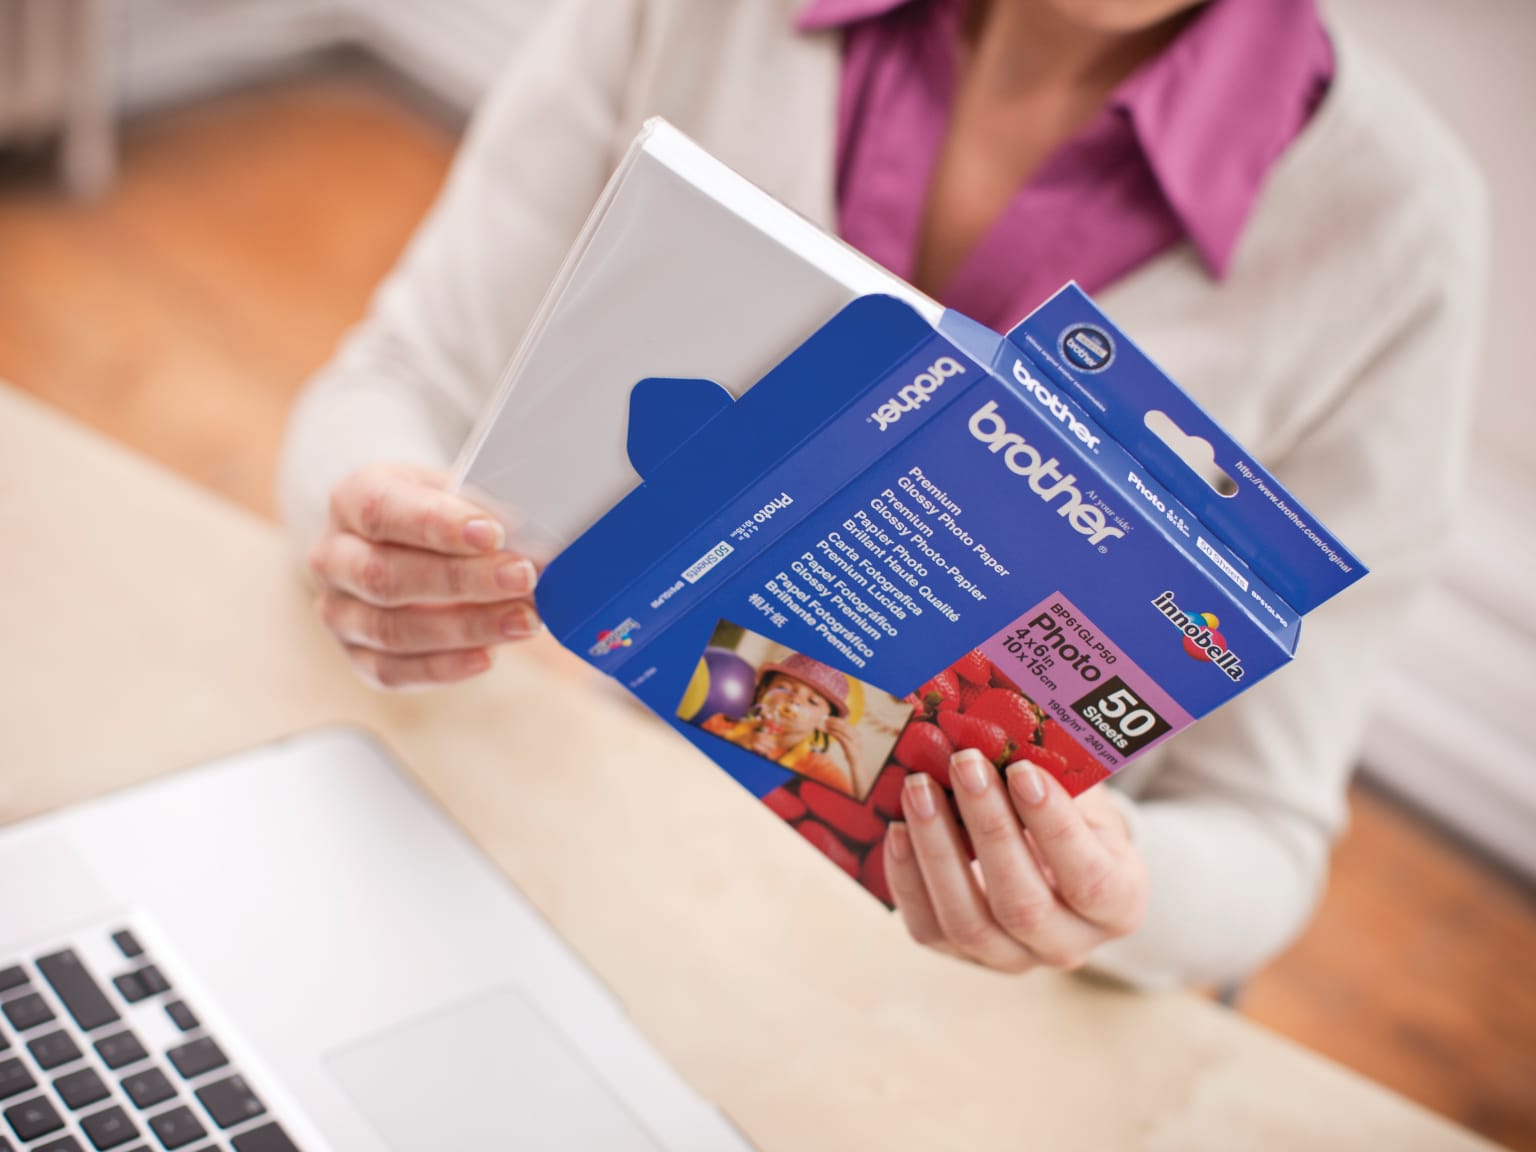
180, 315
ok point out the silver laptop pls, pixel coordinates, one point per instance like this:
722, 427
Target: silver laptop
292, 948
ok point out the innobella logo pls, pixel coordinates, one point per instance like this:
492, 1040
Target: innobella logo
1201, 640
1044, 475
616, 637
914, 395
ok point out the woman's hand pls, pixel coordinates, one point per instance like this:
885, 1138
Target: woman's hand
1057, 877
413, 579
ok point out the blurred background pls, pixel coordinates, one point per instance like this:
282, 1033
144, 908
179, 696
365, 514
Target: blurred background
197, 197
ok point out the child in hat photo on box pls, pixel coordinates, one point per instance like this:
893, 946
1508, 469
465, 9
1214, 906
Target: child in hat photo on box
800, 709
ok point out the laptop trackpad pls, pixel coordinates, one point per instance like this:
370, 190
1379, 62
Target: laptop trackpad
492, 1072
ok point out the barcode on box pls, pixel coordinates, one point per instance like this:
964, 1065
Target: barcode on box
696, 571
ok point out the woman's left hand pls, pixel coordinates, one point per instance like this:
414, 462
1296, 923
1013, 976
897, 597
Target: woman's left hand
1054, 878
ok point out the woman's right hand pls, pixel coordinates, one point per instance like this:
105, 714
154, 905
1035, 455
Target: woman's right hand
414, 581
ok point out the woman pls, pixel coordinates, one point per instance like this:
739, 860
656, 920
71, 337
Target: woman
1259, 203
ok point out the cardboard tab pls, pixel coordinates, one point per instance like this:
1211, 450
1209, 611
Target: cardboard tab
665, 412
730, 453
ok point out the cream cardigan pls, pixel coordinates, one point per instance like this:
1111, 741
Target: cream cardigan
1340, 349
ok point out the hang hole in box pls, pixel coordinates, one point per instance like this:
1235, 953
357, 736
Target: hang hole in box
1195, 451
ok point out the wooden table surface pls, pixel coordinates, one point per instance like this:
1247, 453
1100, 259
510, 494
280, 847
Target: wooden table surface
146, 625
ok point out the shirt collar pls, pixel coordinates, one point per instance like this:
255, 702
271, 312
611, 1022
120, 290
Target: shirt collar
818, 15
1215, 110
1211, 114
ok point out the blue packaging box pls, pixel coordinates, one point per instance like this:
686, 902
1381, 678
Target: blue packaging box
906, 539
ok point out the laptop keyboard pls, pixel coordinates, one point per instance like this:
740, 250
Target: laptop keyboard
99, 1050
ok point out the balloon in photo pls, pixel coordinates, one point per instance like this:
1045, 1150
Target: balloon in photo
722, 682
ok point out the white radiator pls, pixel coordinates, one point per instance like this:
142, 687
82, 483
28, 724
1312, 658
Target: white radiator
174, 51
54, 81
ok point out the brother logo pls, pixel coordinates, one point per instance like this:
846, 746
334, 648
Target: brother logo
1044, 476
1058, 408
917, 393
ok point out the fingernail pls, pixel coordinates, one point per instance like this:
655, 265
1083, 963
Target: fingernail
971, 770
1025, 782
516, 577
477, 662
486, 535
899, 843
519, 623
920, 796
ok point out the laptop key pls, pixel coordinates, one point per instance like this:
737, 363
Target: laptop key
181, 1015
130, 987
196, 1057
33, 1118
178, 1127
62, 1144
81, 1088
27, 1011
14, 1079
148, 1088
128, 944
120, 1050
154, 983
13, 977
77, 988
109, 1128
230, 1102
53, 1049
267, 1138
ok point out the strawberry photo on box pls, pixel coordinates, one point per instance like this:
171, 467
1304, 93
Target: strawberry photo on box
971, 704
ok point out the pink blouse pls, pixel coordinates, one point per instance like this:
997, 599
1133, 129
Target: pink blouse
1179, 151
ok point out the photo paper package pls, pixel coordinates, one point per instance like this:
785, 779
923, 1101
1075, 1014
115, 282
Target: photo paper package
910, 538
